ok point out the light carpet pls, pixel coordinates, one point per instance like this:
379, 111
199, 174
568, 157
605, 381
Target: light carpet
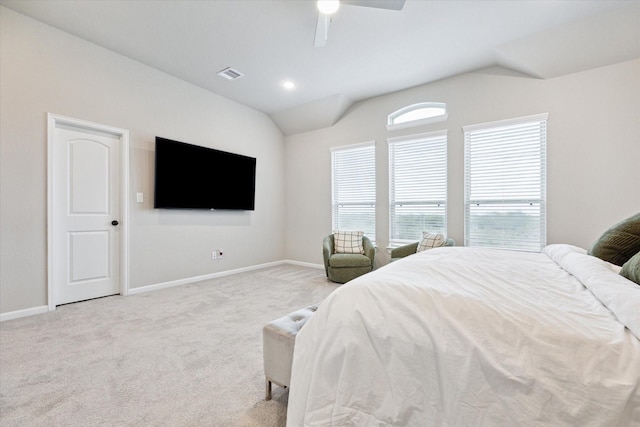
184, 356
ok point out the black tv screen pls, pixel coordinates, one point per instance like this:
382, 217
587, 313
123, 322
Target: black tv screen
192, 177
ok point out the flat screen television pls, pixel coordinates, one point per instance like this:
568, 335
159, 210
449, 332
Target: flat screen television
192, 177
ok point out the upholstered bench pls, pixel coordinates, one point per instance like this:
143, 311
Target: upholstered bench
278, 339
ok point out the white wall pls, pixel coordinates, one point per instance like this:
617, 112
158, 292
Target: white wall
593, 155
44, 70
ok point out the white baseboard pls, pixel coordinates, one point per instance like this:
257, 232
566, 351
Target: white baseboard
303, 264
149, 288
23, 313
170, 284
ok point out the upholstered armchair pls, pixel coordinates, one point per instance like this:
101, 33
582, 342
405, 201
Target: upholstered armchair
411, 248
342, 267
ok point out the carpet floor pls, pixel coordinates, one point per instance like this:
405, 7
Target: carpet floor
184, 356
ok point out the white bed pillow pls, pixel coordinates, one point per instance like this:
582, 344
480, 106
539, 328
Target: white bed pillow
348, 242
430, 241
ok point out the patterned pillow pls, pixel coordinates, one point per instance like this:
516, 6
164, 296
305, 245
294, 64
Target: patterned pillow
430, 240
620, 242
631, 269
348, 242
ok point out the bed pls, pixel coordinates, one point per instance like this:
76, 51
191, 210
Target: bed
459, 336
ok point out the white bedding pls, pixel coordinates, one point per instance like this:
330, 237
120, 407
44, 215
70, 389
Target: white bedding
473, 337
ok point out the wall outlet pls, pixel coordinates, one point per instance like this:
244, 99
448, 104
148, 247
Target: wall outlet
220, 252
216, 254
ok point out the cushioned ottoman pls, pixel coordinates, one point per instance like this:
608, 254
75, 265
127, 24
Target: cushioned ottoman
278, 339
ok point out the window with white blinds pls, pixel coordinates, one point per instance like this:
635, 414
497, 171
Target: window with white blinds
353, 183
417, 186
505, 184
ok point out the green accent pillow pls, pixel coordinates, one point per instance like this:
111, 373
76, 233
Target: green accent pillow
631, 269
619, 243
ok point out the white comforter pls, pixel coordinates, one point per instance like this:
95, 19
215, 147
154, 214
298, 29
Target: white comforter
473, 337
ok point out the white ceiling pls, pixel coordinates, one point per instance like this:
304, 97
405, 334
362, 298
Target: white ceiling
369, 52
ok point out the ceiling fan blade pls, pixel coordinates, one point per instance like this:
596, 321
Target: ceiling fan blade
322, 30
380, 4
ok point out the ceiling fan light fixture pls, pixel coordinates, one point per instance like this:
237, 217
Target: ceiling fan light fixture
328, 7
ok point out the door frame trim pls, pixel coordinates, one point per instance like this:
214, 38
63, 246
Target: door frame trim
54, 120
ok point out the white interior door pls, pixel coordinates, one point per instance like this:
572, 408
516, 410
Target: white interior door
86, 213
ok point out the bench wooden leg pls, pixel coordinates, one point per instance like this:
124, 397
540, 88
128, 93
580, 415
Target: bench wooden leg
267, 389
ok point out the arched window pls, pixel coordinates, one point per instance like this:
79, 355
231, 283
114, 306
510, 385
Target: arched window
417, 114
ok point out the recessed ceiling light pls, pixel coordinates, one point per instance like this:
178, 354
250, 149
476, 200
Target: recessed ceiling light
289, 85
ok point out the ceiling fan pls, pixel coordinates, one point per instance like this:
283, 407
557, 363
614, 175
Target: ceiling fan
327, 8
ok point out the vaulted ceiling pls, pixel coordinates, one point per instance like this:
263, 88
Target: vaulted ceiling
369, 51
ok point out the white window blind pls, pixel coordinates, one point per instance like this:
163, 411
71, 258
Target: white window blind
353, 183
505, 184
417, 186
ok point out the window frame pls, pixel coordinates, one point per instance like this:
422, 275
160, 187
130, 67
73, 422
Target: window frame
440, 136
372, 189
501, 127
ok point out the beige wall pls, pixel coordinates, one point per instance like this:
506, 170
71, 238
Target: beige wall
593, 158
593, 155
44, 70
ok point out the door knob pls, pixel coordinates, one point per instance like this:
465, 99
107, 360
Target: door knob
114, 222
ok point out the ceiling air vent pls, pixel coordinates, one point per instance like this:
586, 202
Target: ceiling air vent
230, 74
